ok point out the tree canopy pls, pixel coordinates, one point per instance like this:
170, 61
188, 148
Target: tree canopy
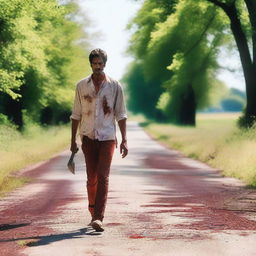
42, 55
242, 19
176, 46
175, 58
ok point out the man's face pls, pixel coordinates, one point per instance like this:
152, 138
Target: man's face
97, 65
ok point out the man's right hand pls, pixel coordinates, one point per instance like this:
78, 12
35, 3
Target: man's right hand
73, 147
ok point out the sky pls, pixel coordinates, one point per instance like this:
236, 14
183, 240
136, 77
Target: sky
231, 61
109, 18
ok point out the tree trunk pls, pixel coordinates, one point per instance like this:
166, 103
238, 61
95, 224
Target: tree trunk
251, 6
248, 62
13, 109
188, 108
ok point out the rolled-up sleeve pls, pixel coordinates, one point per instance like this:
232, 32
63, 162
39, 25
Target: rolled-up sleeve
120, 109
77, 108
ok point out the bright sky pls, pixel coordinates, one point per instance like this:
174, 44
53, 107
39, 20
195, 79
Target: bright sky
231, 61
109, 19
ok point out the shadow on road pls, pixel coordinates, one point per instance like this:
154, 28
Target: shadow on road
44, 240
11, 226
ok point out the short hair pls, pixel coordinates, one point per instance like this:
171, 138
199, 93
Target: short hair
98, 53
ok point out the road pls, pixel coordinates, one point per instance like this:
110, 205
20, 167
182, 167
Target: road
160, 203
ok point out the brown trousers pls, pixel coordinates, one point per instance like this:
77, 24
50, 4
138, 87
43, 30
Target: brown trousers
98, 156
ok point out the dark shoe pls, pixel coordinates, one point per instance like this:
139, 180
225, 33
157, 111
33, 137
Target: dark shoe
90, 224
97, 225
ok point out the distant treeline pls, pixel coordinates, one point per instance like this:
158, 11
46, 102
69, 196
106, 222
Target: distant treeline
233, 100
176, 44
43, 52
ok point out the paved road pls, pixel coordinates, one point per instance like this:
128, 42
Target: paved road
160, 203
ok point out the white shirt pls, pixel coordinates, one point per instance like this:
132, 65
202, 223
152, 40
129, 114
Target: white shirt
98, 112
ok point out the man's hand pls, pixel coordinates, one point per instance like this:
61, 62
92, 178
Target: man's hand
74, 126
73, 147
123, 148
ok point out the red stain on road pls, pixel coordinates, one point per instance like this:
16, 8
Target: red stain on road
169, 162
184, 191
20, 220
136, 236
113, 224
205, 201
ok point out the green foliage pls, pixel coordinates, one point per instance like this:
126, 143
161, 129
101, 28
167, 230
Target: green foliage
143, 95
218, 91
234, 104
139, 83
234, 101
227, 99
246, 122
4, 121
41, 48
9, 82
242, 19
194, 58
163, 102
175, 57
145, 22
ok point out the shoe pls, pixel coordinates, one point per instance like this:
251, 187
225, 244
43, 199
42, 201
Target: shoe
90, 224
97, 225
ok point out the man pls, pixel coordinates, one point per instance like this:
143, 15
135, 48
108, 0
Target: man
98, 104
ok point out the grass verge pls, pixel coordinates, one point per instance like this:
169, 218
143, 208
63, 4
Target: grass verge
19, 150
216, 141
28, 243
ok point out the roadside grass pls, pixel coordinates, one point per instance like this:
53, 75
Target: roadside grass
28, 243
216, 141
19, 150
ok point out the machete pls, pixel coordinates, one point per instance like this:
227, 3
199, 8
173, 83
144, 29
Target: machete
71, 163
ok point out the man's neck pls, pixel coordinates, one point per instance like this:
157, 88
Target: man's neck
98, 77
98, 80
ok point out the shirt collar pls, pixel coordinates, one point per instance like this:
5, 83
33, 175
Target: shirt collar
107, 78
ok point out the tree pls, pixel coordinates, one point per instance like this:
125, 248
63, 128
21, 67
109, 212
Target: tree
233, 101
232, 104
144, 91
234, 9
190, 54
39, 49
177, 58
143, 95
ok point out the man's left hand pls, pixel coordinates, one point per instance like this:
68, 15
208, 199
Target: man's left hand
123, 149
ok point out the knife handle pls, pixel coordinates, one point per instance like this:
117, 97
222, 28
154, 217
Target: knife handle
72, 156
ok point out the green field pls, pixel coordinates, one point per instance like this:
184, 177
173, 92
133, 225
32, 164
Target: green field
19, 150
216, 141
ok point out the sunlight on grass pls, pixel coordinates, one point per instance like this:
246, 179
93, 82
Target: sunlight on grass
19, 150
28, 242
138, 118
216, 140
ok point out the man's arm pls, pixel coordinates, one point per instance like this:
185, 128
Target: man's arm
75, 119
123, 145
74, 127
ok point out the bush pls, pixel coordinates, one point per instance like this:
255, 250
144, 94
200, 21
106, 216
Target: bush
232, 104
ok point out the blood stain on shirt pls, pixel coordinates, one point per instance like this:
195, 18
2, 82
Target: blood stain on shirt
106, 108
88, 98
88, 113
